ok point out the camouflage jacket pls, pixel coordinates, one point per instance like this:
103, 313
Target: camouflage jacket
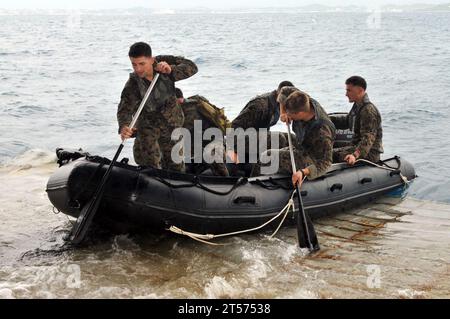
162, 100
364, 120
262, 111
315, 140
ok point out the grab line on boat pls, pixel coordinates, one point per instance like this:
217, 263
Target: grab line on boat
403, 177
205, 238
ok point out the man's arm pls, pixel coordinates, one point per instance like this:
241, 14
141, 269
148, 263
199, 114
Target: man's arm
369, 125
251, 114
281, 99
322, 154
181, 68
283, 114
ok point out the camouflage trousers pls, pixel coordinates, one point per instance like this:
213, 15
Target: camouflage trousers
284, 161
153, 147
219, 168
283, 140
340, 153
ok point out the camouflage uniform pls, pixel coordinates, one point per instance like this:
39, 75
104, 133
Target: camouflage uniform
364, 120
262, 112
313, 145
160, 116
192, 107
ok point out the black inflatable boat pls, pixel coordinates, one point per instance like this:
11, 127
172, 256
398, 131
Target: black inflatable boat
140, 198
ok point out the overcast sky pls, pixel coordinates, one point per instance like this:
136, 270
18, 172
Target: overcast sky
109, 4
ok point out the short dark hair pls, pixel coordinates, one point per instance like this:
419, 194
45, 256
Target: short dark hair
178, 93
139, 49
283, 84
356, 80
297, 102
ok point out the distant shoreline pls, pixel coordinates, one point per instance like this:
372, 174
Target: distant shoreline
245, 10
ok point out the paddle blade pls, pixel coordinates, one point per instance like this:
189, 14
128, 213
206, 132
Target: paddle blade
306, 234
84, 220
87, 214
311, 242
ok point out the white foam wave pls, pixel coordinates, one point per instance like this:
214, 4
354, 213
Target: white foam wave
30, 159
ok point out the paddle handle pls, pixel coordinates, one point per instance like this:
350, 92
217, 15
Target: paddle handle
291, 149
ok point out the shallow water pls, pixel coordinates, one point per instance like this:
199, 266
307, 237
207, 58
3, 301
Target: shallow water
60, 83
391, 249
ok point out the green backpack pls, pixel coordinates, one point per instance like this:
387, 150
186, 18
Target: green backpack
213, 113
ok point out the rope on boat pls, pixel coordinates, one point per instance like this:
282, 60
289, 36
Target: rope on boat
205, 238
403, 177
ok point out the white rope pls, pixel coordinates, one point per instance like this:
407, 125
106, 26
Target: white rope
205, 238
287, 208
293, 209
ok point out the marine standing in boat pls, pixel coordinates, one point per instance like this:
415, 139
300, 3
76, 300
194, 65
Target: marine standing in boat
314, 137
364, 120
161, 114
